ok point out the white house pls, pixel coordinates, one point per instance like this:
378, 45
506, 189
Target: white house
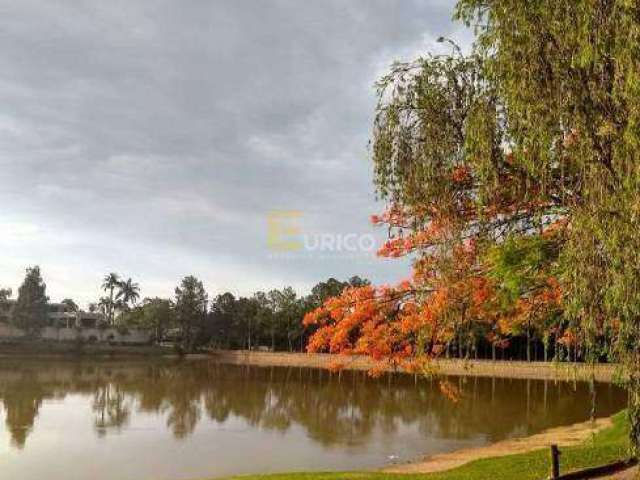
65, 324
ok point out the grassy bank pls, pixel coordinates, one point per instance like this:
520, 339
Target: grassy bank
606, 446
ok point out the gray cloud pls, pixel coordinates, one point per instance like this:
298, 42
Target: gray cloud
153, 138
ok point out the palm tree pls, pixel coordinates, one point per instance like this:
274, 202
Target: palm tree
109, 284
104, 306
128, 292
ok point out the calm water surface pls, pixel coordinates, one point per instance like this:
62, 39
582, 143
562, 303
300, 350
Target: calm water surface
143, 420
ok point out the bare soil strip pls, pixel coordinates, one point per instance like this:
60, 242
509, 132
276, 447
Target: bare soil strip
629, 474
480, 368
561, 436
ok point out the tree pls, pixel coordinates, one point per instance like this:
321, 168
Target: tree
128, 292
73, 306
159, 315
511, 177
191, 309
110, 282
223, 311
156, 314
286, 315
30, 312
324, 290
105, 306
572, 119
5, 294
245, 322
264, 323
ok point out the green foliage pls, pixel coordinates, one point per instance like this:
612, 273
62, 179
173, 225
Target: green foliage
520, 264
540, 123
31, 307
73, 306
568, 76
420, 127
156, 314
5, 294
128, 292
190, 308
266, 319
110, 282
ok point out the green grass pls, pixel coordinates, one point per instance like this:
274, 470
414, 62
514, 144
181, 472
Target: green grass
606, 446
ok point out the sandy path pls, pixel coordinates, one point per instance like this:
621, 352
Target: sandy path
629, 474
561, 436
472, 368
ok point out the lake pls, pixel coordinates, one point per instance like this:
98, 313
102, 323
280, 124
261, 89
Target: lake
172, 419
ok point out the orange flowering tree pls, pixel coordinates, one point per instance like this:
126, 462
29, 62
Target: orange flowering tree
453, 195
511, 178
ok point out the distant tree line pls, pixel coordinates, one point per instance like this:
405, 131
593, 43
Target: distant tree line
270, 319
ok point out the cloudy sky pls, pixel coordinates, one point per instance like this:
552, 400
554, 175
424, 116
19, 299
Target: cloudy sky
158, 138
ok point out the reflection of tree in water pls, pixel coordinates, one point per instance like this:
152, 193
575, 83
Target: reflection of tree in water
184, 403
21, 399
111, 407
342, 409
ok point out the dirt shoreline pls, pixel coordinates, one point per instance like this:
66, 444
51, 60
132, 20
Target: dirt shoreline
473, 368
562, 436
480, 368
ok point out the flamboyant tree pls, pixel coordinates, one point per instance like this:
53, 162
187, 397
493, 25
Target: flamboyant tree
511, 176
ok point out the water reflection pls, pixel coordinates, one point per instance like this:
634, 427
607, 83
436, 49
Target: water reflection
343, 409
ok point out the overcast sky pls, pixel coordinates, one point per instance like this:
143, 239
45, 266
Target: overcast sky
155, 138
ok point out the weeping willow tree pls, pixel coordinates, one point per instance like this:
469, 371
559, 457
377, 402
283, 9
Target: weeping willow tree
568, 75
511, 175
544, 115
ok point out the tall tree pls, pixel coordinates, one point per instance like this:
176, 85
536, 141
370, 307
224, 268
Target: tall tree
5, 295
567, 75
128, 292
110, 282
156, 314
191, 309
324, 290
264, 323
286, 314
511, 177
223, 311
30, 312
159, 315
